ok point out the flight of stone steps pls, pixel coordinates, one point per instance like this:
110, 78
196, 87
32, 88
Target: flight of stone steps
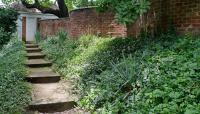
48, 93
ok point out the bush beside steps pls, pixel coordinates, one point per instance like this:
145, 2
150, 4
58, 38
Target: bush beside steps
14, 92
131, 76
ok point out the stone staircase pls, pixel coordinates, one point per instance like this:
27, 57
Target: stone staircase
48, 93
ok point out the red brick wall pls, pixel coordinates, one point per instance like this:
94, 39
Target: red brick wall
149, 21
53, 26
83, 21
184, 15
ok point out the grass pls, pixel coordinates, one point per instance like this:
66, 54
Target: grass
119, 76
14, 92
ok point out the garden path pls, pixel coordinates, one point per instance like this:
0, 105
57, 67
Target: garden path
50, 95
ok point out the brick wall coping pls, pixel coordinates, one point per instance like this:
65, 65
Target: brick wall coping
83, 8
65, 18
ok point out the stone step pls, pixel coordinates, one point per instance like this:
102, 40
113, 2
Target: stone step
32, 50
50, 98
32, 46
43, 77
40, 69
30, 42
76, 110
36, 55
38, 63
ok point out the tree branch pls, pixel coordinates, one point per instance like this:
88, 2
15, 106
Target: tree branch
62, 12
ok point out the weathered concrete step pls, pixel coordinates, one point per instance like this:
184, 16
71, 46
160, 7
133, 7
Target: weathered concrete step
30, 42
36, 55
32, 50
76, 110
43, 77
53, 107
50, 98
40, 69
38, 63
32, 45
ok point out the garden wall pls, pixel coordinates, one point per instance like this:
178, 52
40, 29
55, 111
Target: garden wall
52, 26
184, 15
83, 21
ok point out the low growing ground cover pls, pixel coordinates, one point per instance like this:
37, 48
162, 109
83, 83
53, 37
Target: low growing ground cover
14, 92
132, 76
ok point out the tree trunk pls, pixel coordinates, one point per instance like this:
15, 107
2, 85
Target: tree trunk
63, 8
62, 12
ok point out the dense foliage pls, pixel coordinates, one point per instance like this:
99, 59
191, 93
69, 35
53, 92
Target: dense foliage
126, 11
8, 19
161, 77
14, 92
89, 55
8, 26
4, 37
132, 76
84, 3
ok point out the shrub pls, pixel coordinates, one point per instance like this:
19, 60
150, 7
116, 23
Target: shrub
62, 35
57, 52
97, 56
8, 19
4, 37
122, 75
14, 92
126, 11
8, 26
90, 55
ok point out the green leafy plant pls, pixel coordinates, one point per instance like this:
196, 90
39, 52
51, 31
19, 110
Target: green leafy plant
14, 92
84, 3
161, 74
38, 37
4, 37
8, 26
126, 11
8, 19
160, 77
90, 51
62, 36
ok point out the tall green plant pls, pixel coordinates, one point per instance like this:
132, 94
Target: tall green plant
38, 37
62, 36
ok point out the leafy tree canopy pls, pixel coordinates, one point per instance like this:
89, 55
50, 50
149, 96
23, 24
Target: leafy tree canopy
45, 6
84, 3
126, 11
